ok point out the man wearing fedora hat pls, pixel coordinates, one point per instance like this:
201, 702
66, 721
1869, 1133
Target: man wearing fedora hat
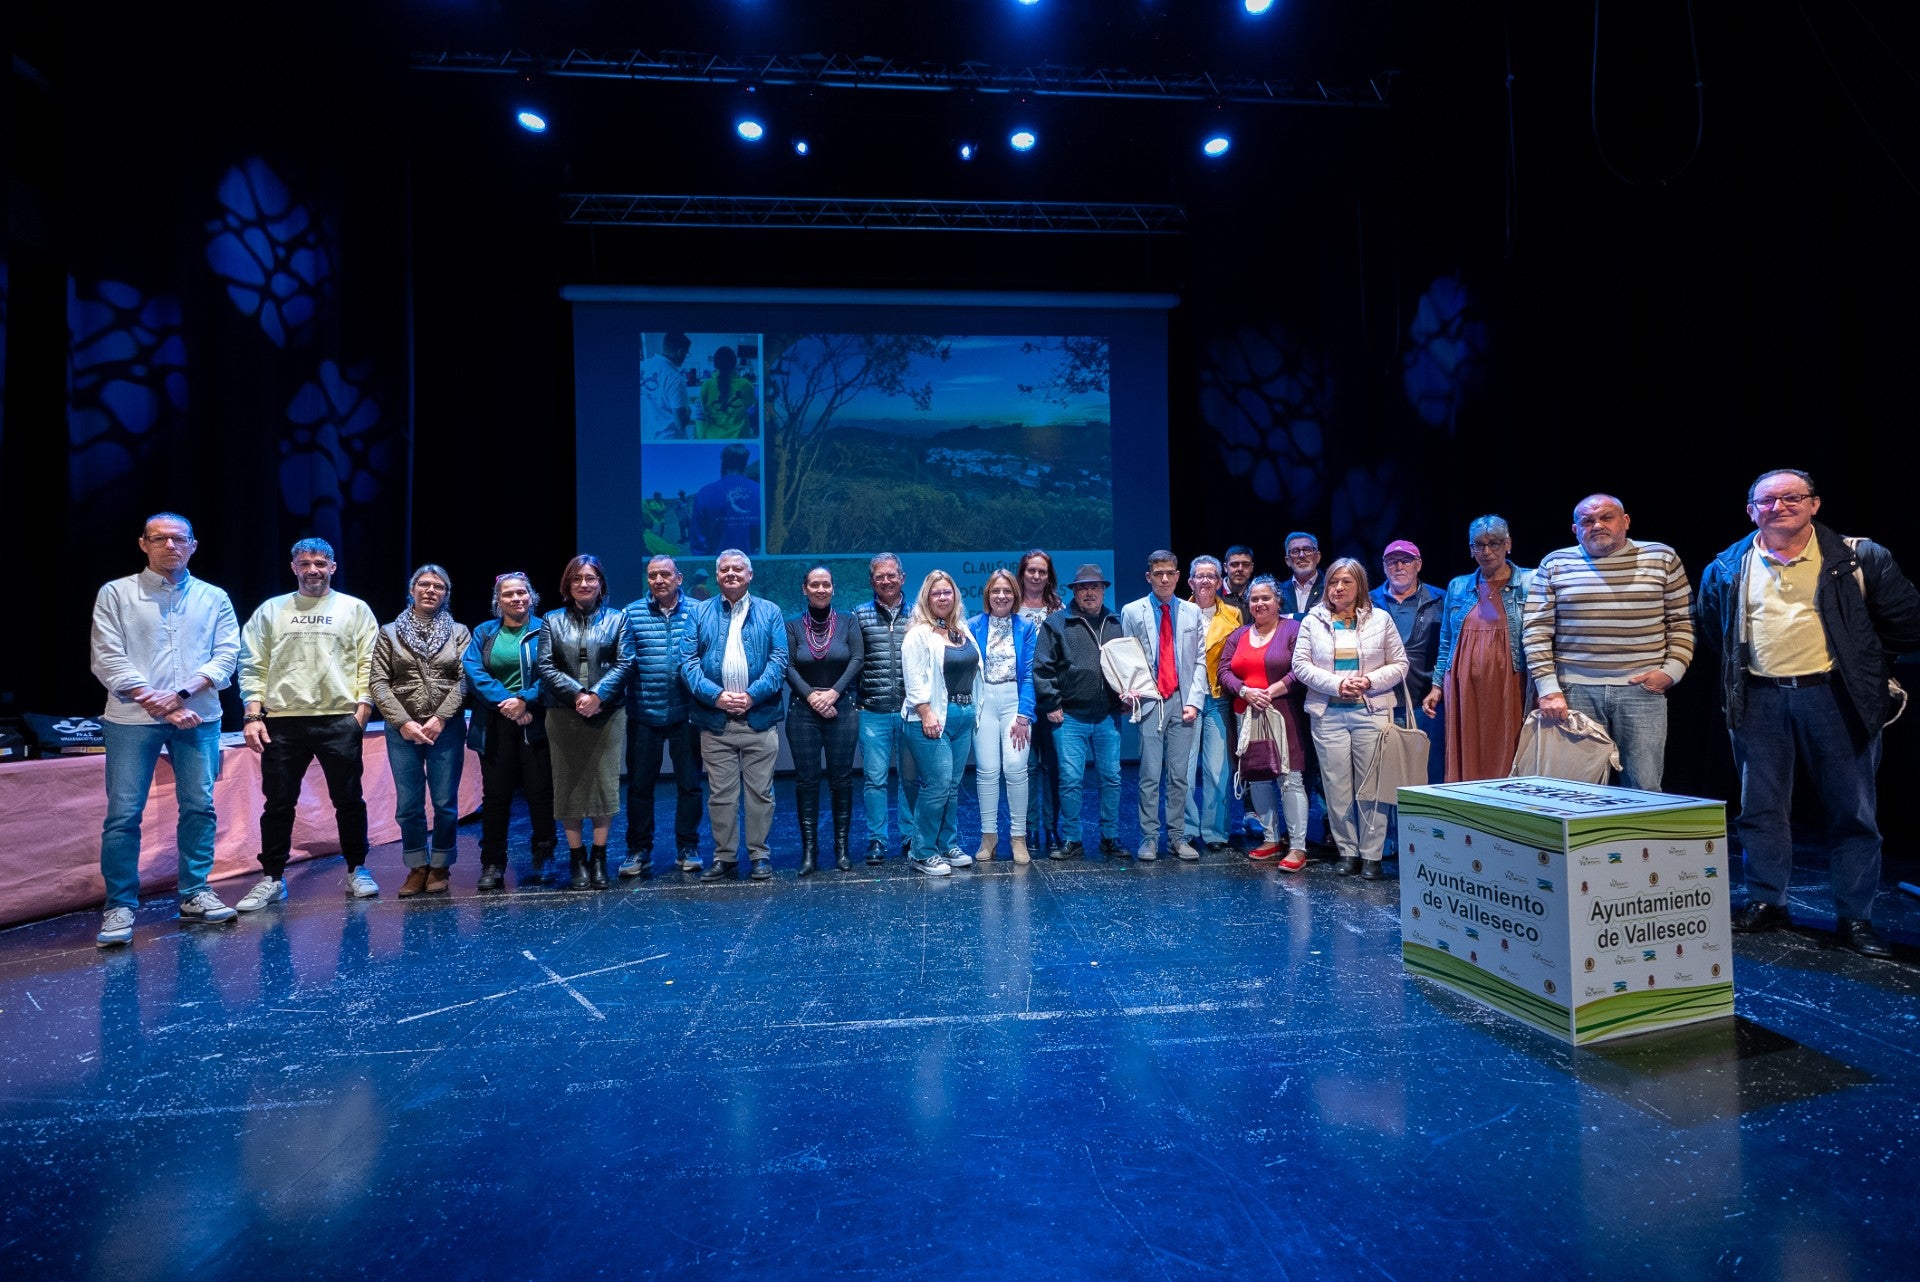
1071, 692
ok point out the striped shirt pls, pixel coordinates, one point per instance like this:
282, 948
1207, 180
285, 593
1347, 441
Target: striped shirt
1599, 622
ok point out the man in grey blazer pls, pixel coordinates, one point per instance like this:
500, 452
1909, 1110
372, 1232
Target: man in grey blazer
1173, 634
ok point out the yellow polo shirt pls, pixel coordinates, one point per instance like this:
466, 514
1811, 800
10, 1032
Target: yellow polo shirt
1784, 635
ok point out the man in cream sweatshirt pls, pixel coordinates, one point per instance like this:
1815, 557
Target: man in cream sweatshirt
305, 677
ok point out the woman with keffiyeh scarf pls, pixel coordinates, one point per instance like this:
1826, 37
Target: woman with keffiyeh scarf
419, 687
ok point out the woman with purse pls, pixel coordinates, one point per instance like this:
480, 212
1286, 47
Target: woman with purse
1350, 658
1256, 669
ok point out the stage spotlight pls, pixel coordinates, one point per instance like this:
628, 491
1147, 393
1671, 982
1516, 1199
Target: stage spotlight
1258, 7
531, 121
1022, 139
750, 129
801, 147
966, 151
1029, 3
1217, 145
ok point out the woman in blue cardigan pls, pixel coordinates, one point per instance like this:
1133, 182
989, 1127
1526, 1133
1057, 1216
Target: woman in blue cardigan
1003, 719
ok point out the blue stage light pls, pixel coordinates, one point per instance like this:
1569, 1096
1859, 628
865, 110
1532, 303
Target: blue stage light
800, 147
1216, 145
966, 151
532, 121
1258, 7
750, 129
1023, 139
1029, 3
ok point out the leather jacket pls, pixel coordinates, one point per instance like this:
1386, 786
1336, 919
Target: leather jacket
580, 654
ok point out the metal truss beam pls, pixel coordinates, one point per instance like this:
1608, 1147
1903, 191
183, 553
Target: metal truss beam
844, 71
585, 209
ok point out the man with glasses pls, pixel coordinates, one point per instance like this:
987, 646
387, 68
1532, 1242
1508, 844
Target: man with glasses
1806, 624
1301, 593
1415, 609
164, 643
1608, 632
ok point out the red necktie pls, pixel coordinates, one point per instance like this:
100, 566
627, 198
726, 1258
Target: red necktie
1165, 677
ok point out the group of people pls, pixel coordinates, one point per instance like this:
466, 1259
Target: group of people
1303, 672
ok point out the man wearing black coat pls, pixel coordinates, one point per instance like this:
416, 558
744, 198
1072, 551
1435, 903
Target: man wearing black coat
1807, 624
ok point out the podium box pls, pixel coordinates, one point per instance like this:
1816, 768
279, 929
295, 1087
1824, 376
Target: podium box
1587, 911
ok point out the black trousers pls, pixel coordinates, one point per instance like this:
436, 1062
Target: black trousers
293, 744
646, 748
511, 762
809, 735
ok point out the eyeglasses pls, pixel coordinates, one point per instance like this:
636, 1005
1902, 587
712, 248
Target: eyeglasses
1782, 500
1398, 560
169, 540
1489, 545
1294, 554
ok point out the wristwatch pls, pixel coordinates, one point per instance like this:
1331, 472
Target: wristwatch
182, 695
254, 716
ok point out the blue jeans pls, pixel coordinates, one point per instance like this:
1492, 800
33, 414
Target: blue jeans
1074, 740
132, 753
934, 826
1207, 808
1779, 728
419, 769
1043, 785
1636, 718
880, 732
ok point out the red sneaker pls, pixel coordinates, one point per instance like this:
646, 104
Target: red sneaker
1267, 851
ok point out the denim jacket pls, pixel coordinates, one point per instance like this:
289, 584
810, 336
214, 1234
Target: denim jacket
763, 636
1461, 595
485, 693
1025, 634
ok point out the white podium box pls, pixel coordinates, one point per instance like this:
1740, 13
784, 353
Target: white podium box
1587, 911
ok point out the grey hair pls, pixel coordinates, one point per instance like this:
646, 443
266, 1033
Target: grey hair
727, 552
439, 572
881, 558
532, 592
1488, 524
1199, 561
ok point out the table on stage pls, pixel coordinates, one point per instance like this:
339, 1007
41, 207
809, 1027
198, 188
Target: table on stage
1587, 911
51, 811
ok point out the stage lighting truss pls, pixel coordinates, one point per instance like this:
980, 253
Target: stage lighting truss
581, 209
849, 72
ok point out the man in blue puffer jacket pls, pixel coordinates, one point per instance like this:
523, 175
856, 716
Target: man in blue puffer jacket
735, 666
658, 719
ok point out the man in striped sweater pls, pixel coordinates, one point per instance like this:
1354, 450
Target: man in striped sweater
1608, 632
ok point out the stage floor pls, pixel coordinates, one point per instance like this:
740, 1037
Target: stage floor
1089, 1070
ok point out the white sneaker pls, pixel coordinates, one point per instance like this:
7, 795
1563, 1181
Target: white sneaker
1185, 849
933, 867
268, 890
1149, 851
204, 905
116, 928
361, 885
958, 858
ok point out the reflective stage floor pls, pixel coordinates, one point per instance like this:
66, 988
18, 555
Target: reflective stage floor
1090, 1070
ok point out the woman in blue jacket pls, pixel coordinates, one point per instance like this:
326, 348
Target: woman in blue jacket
1003, 720
508, 728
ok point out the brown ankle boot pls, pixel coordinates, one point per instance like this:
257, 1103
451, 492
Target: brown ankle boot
415, 883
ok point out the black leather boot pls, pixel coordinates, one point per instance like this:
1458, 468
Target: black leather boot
842, 824
806, 799
577, 855
597, 869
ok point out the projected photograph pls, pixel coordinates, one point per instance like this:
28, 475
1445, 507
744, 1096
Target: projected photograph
936, 443
700, 499
699, 387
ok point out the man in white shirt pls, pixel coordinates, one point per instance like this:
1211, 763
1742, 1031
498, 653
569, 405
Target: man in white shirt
163, 644
1172, 633
664, 410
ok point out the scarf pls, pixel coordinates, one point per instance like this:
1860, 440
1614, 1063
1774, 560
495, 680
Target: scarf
424, 639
